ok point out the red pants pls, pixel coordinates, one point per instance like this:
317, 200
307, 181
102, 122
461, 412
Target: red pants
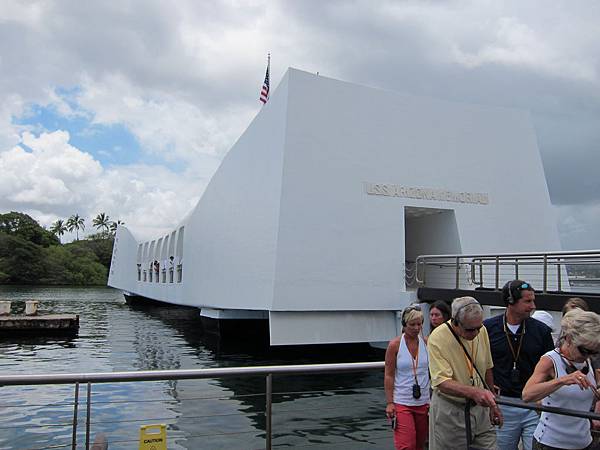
412, 427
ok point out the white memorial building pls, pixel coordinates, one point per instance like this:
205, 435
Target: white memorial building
317, 212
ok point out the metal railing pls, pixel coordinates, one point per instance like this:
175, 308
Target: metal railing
194, 374
549, 270
88, 379
507, 401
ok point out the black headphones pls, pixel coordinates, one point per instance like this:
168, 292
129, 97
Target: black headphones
511, 292
406, 310
455, 320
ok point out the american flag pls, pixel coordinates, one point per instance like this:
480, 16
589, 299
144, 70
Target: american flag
264, 93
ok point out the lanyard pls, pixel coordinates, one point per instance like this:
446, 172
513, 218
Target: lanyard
516, 354
470, 361
485, 385
415, 359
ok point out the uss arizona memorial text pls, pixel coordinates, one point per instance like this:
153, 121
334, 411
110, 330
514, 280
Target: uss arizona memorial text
394, 190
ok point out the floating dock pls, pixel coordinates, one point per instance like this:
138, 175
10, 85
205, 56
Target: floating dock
42, 325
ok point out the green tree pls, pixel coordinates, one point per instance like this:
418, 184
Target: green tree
58, 228
23, 226
102, 222
101, 244
30, 254
21, 261
74, 265
76, 223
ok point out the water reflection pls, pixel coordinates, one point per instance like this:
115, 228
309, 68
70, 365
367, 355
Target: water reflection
340, 410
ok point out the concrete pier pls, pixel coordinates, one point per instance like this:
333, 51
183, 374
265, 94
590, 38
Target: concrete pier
48, 324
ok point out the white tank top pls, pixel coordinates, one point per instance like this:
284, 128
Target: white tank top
404, 380
561, 431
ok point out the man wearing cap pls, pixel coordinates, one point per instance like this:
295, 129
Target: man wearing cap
460, 364
518, 341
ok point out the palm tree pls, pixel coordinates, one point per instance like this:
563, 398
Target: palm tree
76, 223
58, 228
102, 222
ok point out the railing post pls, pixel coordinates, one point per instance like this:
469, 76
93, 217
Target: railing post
457, 272
481, 272
75, 413
558, 276
497, 273
545, 273
88, 414
268, 411
516, 268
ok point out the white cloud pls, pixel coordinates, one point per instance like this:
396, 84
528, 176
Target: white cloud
184, 80
52, 179
11, 106
52, 172
163, 123
514, 43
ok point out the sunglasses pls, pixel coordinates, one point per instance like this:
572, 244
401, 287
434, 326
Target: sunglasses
523, 287
412, 308
586, 351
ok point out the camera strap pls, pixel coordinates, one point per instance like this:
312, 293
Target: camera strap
415, 360
468, 356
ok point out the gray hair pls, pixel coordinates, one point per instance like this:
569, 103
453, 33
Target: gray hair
466, 307
583, 327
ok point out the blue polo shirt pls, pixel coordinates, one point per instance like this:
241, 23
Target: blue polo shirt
537, 340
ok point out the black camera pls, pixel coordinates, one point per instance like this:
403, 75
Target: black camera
416, 391
515, 376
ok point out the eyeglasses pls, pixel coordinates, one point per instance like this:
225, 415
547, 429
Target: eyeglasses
586, 351
472, 330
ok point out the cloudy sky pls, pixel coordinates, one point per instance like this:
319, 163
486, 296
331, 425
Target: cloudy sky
128, 107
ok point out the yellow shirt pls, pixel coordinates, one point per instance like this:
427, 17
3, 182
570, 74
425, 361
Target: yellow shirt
447, 359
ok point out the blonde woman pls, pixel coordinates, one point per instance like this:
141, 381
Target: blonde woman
564, 378
407, 383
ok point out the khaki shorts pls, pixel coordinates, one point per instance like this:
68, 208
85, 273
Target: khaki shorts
447, 425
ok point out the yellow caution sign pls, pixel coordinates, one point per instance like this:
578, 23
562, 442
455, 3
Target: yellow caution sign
153, 437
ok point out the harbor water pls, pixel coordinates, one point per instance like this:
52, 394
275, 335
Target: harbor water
312, 411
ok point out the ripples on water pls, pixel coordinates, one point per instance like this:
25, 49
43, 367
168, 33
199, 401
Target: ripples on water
317, 411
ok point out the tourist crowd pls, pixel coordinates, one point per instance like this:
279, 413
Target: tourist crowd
433, 384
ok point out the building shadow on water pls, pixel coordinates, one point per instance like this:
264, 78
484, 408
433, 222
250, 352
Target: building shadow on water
316, 408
